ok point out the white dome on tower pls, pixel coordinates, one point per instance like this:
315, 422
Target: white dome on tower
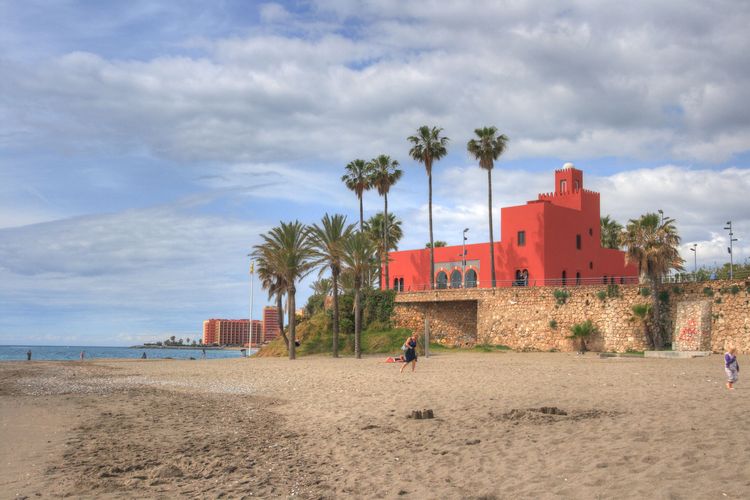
568, 165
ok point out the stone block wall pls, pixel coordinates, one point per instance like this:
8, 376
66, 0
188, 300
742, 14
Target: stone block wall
730, 310
692, 326
533, 318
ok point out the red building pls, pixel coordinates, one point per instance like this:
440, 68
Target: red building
270, 323
553, 240
230, 331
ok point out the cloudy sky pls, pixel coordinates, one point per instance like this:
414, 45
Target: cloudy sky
144, 145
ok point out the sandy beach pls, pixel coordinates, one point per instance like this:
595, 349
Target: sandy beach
337, 428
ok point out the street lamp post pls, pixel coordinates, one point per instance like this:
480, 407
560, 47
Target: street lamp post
463, 258
695, 257
729, 249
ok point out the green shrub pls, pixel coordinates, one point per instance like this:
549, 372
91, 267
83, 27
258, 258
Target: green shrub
581, 332
561, 296
641, 310
613, 290
734, 290
718, 300
553, 324
677, 290
664, 296
645, 291
708, 292
377, 305
601, 295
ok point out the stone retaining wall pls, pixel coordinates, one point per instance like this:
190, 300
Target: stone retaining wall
534, 318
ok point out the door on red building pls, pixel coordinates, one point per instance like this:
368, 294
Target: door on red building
442, 280
456, 279
470, 280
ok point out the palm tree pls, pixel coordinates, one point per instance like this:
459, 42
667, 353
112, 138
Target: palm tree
357, 179
611, 230
652, 243
429, 146
436, 244
358, 254
290, 253
374, 228
273, 282
328, 246
322, 286
385, 173
487, 147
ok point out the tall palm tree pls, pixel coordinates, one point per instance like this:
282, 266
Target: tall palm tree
374, 228
358, 254
487, 147
611, 230
273, 282
290, 254
385, 173
357, 179
429, 146
322, 286
328, 246
652, 243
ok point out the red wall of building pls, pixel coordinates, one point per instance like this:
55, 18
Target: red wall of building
550, 225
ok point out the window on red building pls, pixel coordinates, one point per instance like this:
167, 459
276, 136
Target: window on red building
456, 279
442, 280
578, 278
564, 278
521, 238
563, 185
578, 241
470, 280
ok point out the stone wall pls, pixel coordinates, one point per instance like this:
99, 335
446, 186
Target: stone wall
534, 318
729, 312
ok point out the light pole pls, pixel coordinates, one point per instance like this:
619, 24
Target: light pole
695, 257
661, 214
250, 325
463, 259
729, 249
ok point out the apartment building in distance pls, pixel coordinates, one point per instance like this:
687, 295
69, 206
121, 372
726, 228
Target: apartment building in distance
235, 331
231, 331
270, 323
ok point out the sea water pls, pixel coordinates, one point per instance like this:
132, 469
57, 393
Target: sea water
58, 353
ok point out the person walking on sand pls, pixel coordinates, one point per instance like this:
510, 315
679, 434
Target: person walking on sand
731, 367
28, 355
203, 354
410, 353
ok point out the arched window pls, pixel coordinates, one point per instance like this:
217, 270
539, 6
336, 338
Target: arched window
456, 279
395, 284
576, 184
578, 278
564, 278
604, 280
401, 284
470, 279
442, 280
563, 185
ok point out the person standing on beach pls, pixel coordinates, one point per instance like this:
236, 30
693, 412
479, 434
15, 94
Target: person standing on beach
28, 355
83, 354
410, 353
731, 367
203, 354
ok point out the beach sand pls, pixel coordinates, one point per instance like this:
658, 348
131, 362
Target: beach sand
323, 428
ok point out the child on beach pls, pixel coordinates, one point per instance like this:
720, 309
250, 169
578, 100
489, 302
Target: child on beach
731, 367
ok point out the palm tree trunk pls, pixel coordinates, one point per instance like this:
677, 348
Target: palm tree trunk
656, 316
380, 270
432, 244
361, 215
292, 321
281, 320
357, 324
335, 277
492, 241
385, 241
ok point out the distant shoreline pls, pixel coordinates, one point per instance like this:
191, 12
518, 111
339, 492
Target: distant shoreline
208, 348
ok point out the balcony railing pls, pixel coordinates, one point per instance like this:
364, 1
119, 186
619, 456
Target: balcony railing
556, 282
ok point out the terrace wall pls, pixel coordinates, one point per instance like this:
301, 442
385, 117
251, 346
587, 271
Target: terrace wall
532, 318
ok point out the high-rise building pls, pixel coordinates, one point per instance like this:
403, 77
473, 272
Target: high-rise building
231, 331
270, 323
